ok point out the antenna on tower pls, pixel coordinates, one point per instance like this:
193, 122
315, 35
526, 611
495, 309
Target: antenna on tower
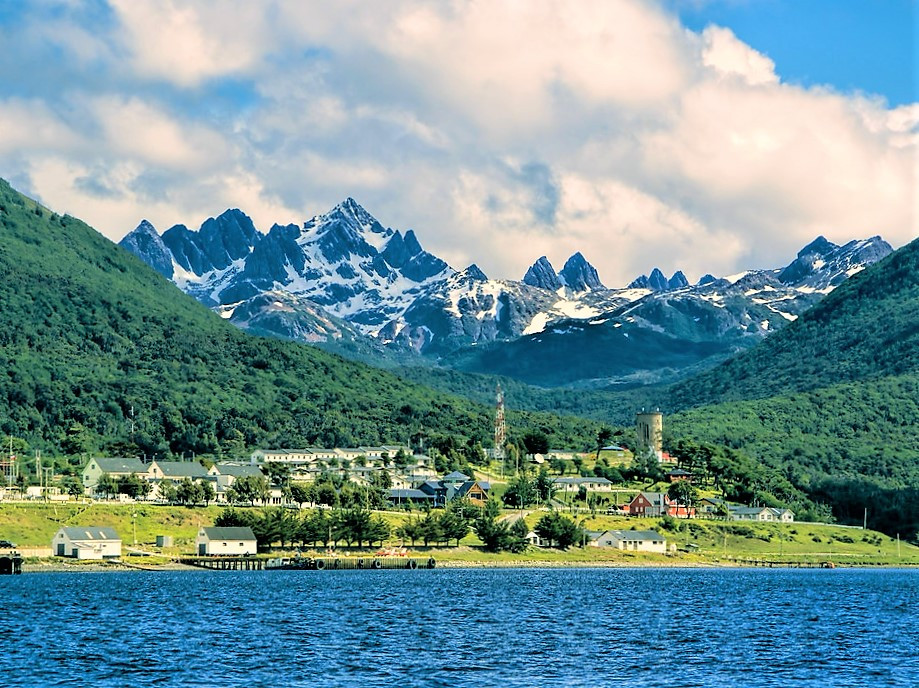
500, 427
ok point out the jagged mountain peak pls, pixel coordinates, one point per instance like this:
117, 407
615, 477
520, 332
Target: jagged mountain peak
579, 275
473, 272
145, 227
352, 211
706, 279
145, 243
542, 274
657, 281
822, 263
819, 246
678, 281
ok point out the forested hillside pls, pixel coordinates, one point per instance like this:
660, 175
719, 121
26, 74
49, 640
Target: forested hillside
866, 329
100, 352
831, 401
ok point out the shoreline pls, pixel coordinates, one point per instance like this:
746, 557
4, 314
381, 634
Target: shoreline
109, 567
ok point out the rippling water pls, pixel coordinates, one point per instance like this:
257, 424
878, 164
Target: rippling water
521, 627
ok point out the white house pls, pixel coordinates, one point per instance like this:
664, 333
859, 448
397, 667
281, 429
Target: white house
761, 513
227, 540
115, 467
590, 484
86, 542
630, 540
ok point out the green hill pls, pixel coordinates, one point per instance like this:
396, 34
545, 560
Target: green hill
867, 328
831, 402
100, 352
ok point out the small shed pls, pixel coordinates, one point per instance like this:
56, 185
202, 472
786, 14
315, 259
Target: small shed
232, 540
86, 542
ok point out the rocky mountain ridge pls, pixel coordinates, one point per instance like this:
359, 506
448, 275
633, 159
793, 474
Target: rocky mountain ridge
344, 275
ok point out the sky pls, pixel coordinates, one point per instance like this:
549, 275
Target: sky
704, 135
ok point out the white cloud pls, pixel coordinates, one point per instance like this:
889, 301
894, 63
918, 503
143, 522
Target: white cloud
187, 43
499, 130
729, 56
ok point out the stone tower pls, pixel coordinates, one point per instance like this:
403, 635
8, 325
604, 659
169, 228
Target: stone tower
649, 425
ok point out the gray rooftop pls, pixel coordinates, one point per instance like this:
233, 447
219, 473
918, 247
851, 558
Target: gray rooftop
94, 533
229, 533
120, 465
182, 469
456, 476
408, 494
582, 481
239, 471
632, 535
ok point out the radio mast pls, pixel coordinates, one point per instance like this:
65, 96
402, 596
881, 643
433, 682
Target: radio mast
500, 427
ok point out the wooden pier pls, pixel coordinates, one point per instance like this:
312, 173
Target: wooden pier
225, 563
787, 564
348, 563
308, 563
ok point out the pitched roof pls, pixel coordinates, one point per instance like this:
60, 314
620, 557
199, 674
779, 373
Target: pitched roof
656, 498
229, 533
748, 509
182, 469
90, 533
456, 476
582, 481
464, 489
432, 486
408, 494
238, 470
632, 535
120, 465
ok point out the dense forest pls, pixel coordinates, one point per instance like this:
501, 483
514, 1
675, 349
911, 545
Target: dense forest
867, 328
831, 401
101, 353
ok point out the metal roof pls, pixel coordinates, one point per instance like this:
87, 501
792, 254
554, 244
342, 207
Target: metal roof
238, 471
120, 465
229, 533
94, 533
181, 469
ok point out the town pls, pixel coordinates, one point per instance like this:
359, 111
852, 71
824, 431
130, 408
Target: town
342, 492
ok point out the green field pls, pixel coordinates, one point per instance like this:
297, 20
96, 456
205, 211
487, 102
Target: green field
698, 541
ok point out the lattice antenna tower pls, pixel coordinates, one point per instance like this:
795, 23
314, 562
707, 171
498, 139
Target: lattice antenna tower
9, 467
500, 426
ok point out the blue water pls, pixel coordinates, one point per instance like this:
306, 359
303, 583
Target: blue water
527, 627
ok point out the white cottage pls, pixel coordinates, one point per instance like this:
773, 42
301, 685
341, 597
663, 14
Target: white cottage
86, 542
218, 541
631, 540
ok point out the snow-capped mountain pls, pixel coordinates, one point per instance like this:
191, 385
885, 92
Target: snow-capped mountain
670, 332
343, 275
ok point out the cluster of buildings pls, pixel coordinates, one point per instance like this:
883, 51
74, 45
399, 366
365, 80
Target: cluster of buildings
413, 477
657, 504
100, 543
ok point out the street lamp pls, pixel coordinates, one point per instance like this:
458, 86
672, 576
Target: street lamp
134, 524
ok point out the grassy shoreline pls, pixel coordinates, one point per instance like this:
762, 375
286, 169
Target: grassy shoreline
701, 543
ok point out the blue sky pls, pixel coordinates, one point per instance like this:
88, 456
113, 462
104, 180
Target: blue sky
867, 45
702, 135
